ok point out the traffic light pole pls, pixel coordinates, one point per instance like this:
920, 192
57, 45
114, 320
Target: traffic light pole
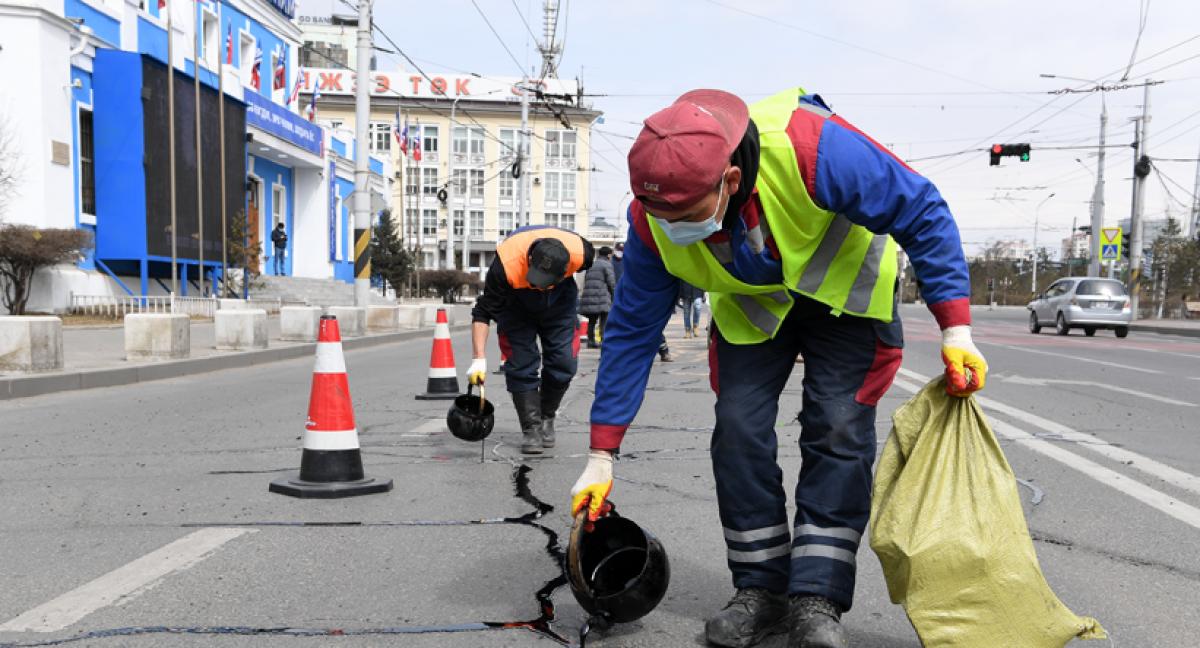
362, 161
1139, 191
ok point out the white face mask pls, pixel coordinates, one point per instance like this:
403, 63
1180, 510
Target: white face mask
688, 232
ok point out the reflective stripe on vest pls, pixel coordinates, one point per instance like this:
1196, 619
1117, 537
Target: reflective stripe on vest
514, 253
824, 255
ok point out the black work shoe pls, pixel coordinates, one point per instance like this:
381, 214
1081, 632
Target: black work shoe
547, 431
816, 622
749, 617
529, 413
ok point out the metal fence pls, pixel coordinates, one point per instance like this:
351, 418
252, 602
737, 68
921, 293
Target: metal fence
117, 306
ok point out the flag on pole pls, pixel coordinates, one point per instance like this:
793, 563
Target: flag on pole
280, 82
404, 138
162, 4
255, 79
229, 44
295, 88
312, 105
416, 142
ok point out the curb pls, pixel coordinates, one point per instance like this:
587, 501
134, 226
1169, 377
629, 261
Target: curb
1166, 329
39, 385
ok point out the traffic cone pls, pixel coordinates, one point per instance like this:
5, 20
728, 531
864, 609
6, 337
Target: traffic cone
331, 463
442, 383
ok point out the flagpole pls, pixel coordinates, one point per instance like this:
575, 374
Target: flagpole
196, 20
171, 145
221, 127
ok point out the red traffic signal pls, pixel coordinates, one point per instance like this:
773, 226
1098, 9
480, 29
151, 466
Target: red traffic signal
1002, 150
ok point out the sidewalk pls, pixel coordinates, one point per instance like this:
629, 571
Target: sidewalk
1189, 328
95, 357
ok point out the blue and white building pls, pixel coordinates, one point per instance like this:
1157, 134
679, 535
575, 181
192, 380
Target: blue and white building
84, 98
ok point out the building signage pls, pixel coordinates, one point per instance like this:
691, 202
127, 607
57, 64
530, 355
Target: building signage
333, 81
331, 178
262, 113
285, 7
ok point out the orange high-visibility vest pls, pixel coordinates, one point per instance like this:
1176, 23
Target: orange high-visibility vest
514, 252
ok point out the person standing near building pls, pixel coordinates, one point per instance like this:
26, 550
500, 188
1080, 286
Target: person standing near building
531, 294
599, 284
690, 300
785, 214
280, 238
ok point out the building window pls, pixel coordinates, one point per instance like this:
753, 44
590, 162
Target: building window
429, 144
565, 221
459, 181
507, 188
87, 163
278, 205
560, 149
429, 183
560, 189
429, 222
380, 136
411, 178
477, 182
458, 222
214, 47
476, 224
246, 58
278, 95
506, 223
468, 144
410, 225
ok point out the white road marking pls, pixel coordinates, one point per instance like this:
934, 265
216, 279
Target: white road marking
1185, 513
1041, 382
1156, 469
123, 583
428, 428
1070, 357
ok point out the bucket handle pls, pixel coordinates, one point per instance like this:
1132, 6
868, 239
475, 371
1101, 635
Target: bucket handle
482, 401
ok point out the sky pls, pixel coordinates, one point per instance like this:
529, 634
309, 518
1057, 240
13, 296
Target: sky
926, 78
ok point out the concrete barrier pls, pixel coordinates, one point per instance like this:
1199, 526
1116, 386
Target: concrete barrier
31, 344
241, 329
299, 323
411, 316
157, 336
383, 319
231, 304
351, 320
432, 309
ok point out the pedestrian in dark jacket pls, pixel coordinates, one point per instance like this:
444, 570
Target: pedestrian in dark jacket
280, 238
599, 286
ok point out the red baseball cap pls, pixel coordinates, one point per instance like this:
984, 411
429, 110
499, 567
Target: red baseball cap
682, 149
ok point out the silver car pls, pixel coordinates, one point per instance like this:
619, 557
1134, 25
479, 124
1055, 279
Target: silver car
1089, 303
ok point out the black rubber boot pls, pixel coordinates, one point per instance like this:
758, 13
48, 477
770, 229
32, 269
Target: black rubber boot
529, 412
816, 623
748, 618
552, 396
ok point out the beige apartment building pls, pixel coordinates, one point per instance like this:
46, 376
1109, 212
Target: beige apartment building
466, 130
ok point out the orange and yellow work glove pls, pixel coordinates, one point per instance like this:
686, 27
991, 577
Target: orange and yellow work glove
966, 370
594, 485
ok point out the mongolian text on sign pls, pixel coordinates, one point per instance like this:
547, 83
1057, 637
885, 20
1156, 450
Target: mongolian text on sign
333, 81
1110, 243
292, 128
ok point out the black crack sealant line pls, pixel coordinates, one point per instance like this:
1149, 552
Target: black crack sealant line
542, 625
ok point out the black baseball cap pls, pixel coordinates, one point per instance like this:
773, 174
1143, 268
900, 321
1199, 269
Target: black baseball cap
548, 260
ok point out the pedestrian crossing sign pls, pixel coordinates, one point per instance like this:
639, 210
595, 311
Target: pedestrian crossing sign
1110, 243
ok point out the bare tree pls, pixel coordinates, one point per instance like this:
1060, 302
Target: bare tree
10, 165
24, 249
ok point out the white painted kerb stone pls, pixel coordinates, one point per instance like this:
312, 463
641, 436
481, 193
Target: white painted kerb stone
383, 318
299, 323
351, 320
157, 336
30, 344
241, 329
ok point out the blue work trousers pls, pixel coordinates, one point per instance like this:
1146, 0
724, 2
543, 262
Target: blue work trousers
550, 318
849, 362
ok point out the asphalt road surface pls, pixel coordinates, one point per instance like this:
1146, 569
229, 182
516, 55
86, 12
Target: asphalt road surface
139, 515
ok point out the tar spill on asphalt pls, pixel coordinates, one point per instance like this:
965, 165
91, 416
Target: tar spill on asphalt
541, 625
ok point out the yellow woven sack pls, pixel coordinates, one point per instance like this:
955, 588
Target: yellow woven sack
947, 525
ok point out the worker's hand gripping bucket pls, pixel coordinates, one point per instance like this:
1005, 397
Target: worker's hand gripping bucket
471, 417
617, 571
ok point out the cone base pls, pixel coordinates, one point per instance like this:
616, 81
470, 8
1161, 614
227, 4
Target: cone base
293, 486
439, 396
440, 389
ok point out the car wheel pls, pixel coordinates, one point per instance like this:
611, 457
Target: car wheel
1060, 325
1122, 331
1034, 327
1089, 331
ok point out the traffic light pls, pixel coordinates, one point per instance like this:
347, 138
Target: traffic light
1125, 246
1008, 150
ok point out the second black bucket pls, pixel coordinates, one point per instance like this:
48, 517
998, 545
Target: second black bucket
618, 571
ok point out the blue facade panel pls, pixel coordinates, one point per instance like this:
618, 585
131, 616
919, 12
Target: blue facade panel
152, 39
104, 25
119, 137
273, 174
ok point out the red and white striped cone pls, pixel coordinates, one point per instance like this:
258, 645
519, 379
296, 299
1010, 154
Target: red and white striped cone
442, 383
331, 462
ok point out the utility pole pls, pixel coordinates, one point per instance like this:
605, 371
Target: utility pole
1140, 164
171, 146
221, 140
1098, 196
1193, 230
524, 190
362, 161
450, 190
199, 155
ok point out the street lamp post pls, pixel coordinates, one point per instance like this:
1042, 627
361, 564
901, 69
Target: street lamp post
1036, 221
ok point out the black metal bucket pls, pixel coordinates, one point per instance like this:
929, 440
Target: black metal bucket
617, 571
471, 417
